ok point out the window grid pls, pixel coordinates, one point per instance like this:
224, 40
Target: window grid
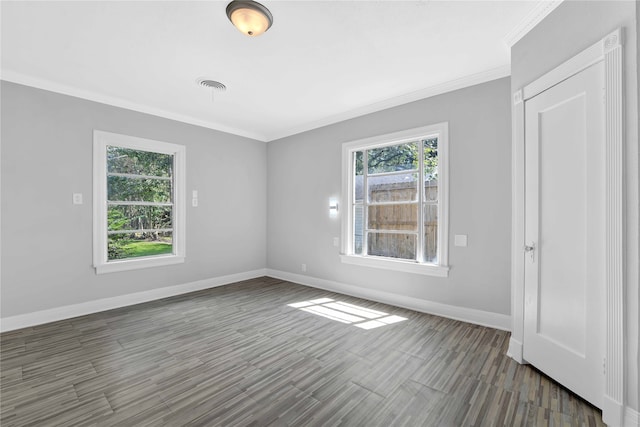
429, 223
420, 203
143, 203
147, 203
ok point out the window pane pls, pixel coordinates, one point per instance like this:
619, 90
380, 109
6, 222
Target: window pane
137, 162
392, 245
393, 188
430, 169
358, 158
393, 158
358, 183
431, 233
430, 147
120, 188
122, 246
431, 190
358, 228
393, 217
138, 217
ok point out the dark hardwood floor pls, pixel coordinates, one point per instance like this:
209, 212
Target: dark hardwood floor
240, 355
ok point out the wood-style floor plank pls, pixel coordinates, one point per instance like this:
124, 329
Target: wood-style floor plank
239, 355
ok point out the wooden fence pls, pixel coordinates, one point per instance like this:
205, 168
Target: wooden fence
397, 217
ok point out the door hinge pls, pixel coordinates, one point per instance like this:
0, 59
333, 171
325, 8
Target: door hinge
604, 366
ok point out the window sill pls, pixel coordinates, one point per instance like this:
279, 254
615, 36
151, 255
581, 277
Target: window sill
135, 264
390, 264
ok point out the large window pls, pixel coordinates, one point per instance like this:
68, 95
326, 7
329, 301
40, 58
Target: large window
396, 194
138, 202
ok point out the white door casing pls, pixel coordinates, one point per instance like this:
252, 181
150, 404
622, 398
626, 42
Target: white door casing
609, 51
564, 233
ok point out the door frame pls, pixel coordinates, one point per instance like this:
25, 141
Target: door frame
608, 50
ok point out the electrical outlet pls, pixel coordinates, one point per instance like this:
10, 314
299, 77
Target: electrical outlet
77, 198
336, 241
460, 240
303, 267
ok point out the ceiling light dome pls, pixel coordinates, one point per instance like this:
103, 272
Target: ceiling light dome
249, 17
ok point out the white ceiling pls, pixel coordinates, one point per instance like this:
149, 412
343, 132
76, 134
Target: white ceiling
321, 61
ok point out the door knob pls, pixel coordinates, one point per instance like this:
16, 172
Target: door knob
531, 249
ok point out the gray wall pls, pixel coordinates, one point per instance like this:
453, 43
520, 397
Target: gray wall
47, 145
305, 171
571, 28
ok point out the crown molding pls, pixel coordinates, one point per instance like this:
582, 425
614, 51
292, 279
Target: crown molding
461, 83
533, 18
471, 80
26, 80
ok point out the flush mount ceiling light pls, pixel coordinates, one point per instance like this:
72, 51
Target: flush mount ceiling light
249, 17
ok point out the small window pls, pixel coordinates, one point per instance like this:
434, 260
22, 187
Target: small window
396, 192
138, 202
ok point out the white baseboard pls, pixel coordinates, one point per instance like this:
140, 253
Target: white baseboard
631, 418
613, 412
478, 317
60, 313
515, 351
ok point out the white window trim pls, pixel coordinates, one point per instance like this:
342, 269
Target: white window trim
100, 141
347, 256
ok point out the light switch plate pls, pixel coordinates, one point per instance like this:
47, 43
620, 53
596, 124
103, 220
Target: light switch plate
460, 240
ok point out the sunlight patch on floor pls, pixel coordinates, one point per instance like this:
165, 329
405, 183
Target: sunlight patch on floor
344, 312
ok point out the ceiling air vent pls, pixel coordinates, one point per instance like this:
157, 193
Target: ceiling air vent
212, 84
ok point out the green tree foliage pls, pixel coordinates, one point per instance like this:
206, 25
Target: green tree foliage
138, 176
400, 157
143, 217
115, 244
138, 162
430, 147
121, 188
393, 158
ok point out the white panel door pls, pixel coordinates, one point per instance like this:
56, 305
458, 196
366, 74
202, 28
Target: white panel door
564, 231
